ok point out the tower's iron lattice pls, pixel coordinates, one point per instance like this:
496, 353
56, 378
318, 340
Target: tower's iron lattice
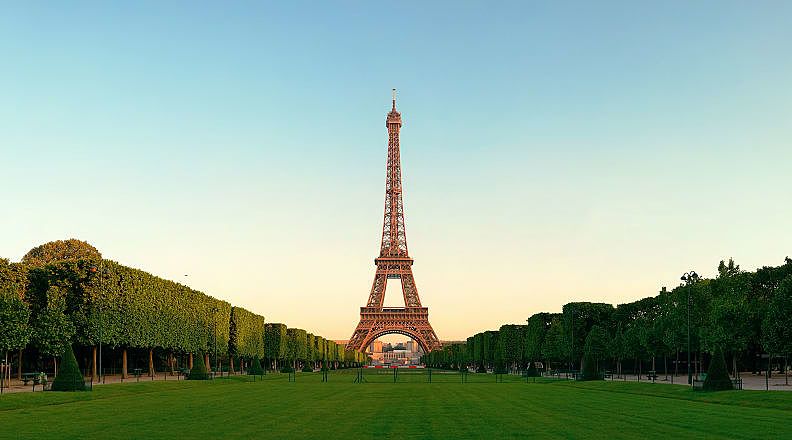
394, 262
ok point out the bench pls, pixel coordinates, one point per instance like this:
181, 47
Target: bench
36, 378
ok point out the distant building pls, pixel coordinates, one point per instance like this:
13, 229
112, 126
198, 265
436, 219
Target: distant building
400, 353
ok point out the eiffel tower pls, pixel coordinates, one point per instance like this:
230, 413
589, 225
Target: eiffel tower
394, 262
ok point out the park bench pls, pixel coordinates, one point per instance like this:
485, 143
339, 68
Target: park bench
184, 372
36, 378
608, 374
652, 376
137, 372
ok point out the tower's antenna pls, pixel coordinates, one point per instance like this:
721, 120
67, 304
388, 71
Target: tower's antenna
393, 95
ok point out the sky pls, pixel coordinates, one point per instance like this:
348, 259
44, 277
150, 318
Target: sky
551, 151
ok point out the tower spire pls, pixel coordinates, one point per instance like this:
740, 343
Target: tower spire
393, 95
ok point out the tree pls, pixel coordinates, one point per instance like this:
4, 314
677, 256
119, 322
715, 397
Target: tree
594, 350
60, 250
777, 321
14, 316
69, 377
578, 318
296, 350
510, 344
275, 343
731, 320
616, 348
729, 270
554, 347
52, 329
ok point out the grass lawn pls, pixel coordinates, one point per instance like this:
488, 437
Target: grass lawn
444, 409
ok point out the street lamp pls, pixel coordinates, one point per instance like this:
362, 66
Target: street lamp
214, 313
101, 312
689, 278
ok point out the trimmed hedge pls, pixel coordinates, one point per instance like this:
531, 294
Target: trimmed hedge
717, 376
198, 371
69, 377
255, 367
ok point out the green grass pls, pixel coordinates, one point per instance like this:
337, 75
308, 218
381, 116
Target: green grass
412, 408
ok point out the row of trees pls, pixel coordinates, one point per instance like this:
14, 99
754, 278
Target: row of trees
64, 293
746, 315
296, 348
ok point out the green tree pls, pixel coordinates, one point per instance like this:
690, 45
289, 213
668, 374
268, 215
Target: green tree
275, 343
777, 321
594, 349
731, 320
60, 250
52, 330
14, 316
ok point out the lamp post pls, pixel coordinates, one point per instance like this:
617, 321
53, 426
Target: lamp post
214, 312
99, 309
689, 278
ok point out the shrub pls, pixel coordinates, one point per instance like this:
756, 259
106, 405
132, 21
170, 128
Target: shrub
255, 367
717, 377
198, 371
589, 371
324, 366
286, 369
532, 371
307, 368
481, 369
69, 377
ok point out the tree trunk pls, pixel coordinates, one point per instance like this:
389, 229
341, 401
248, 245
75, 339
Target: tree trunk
19, 367
190, 362
734, 365
786, 373
665, 365
230, 365
208, 365
151, 363
124, 364
55, 363
676, 365
93, 362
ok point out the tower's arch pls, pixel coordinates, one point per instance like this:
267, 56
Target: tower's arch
404, 332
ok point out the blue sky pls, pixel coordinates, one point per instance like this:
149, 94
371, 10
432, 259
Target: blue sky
552, 151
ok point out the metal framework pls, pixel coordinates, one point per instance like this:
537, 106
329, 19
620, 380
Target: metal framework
394, 262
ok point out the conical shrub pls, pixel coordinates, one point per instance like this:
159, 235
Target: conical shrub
307, 368
532, 371
717, 377
589, 371
198, 370
255, 367
69, 377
